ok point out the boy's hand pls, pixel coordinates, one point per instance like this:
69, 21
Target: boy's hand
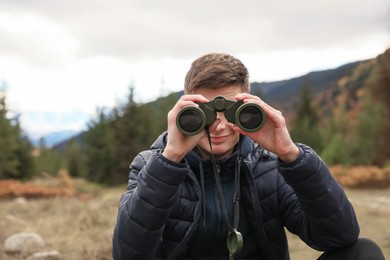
178, 145
274, 135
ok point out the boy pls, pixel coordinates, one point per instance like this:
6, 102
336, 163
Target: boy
228, 194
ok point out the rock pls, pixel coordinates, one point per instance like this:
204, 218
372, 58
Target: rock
45, 255
20, 200
23, 242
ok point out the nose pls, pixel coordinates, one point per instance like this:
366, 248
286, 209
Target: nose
223, 122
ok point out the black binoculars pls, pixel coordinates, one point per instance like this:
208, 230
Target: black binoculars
250, 117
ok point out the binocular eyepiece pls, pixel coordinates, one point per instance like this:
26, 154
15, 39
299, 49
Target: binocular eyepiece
250, 117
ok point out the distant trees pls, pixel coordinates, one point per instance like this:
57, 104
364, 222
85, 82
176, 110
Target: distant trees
358, 134
117, 136
47, 160
380, 91
354, 129
334, 133
74, 159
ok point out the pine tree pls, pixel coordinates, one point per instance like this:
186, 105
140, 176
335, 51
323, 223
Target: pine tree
26, 166
306, 124
133, 130
9, 162
99, 149
16, 149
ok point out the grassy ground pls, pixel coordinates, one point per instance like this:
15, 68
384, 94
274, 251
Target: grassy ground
81, 227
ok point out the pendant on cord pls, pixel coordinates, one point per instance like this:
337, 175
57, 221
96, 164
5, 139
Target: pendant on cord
234, 242
234, 239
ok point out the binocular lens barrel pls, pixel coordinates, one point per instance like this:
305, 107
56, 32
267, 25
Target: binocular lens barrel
191, 120
250, 118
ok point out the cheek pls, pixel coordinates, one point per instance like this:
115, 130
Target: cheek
204, 143
235, 138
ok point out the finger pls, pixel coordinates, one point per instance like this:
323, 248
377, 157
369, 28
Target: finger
247, 98
185, 103
194, 98
243, 96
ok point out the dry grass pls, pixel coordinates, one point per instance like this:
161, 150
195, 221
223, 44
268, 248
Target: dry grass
81, 226
372, 207
78, 222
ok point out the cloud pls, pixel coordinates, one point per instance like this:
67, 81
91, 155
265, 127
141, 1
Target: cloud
40, 123
68, 55
134, 30
35, 39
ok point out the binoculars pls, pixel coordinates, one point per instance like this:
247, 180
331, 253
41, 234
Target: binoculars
250, 117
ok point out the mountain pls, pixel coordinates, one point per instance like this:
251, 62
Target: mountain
285, 90
55, 138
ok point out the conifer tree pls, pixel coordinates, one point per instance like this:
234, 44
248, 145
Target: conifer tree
26, 167
99, 149
305, 127
133, 129
16, 149
9, 162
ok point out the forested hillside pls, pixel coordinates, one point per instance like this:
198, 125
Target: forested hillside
343, 113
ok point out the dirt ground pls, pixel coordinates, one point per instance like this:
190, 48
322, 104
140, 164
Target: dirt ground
81, 227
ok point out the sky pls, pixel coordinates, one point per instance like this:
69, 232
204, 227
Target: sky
61, 60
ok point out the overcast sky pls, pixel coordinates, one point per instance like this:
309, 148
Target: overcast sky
59, 60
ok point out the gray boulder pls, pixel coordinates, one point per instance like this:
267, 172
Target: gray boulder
23, 242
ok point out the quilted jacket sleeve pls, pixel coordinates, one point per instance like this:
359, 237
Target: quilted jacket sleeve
318, 210
145, 207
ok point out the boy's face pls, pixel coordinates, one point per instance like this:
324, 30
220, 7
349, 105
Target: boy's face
223, 139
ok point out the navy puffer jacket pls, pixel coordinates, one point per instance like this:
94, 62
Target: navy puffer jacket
161, 208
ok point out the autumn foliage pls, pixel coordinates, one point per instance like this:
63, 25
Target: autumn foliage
362, 176
349, 177
13, 188
60, 186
